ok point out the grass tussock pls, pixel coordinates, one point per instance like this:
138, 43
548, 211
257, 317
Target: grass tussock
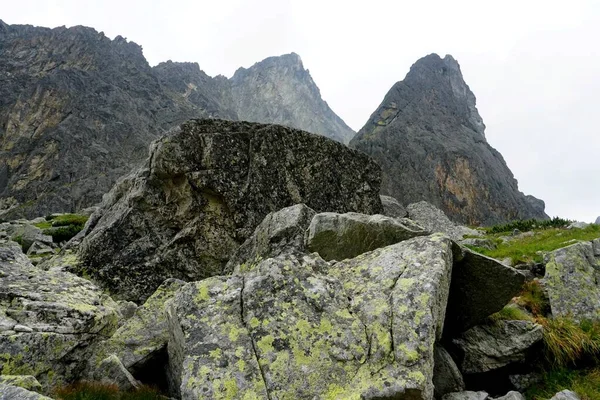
534, 299
585, 383
568, 343
99, 391
529, 248
529, 225
63, 227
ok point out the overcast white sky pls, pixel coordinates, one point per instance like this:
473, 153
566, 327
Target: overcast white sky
534, 65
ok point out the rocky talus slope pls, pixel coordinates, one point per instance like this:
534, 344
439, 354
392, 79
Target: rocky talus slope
429, 140
78, 110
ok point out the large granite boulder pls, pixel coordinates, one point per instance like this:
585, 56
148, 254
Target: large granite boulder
492, 346
10, 392
280, 231
48, 319
572, 281
295, 326
202, 192
480, 287
340, 236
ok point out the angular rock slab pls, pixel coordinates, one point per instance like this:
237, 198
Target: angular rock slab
341, 236
23, 381
446, 375
572, 281
480, 287
493, 346
49, 318
393, 208
297, 327
9, 392
202, 192
434, 220
280, 231
142, 335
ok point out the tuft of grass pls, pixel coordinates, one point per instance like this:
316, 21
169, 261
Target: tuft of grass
511, 313
585, 383
43, 225
534, 299
525, 249
568, 343
68, 219
100, 391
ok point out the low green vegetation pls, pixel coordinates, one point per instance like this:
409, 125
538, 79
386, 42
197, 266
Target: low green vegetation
98, 391
586, 383
529, 248
63, 227
529, 225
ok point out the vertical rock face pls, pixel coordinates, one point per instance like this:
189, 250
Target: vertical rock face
429, 140
78, 110
279, 90
205, 188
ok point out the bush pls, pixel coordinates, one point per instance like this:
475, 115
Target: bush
99, 391
529, 224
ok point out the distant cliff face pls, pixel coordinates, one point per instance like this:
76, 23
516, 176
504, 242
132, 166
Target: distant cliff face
78, 110
429, 139
281, 91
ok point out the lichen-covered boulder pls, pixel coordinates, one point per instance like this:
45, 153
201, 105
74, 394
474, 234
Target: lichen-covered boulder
24, 381
48, 319
341, 236
393, 208
446, 375
10, 392
111, 371
572, 281
480, 287
434, 220
202, 192
295, 326
280, 231
492, 346
140, 337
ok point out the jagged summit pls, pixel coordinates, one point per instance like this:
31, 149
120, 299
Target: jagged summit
429, 139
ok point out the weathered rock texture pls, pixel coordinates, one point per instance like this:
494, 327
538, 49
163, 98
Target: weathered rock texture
446, 375
279, 90
78, 110
340, 236
10, 392
434, 220
297, 327
572, 281
493, 346
202, 192
47, 319
429, 140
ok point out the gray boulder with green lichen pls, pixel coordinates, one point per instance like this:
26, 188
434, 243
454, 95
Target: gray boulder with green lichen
480, 287
434, 220
572, 282
496, 345
202, 192
277, 328
141, 336
10, 392
111, 371
446, 375
24, 381
49, 319
341, 236
279, 232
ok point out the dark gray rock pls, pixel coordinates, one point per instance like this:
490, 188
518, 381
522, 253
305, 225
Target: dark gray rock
280, 231
202, 192
393, 208
434, 220
597, 222
466, 395
78, 110
112, 372
522, 382
429, 140
446, 375
480, 287
340, 236
492, 346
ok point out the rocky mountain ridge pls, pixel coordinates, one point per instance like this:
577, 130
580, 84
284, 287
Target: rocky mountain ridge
429, 139
78, 110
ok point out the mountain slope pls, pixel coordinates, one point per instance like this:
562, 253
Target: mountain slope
429, 139
78, 110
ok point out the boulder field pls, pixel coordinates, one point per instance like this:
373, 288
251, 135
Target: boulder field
249, 261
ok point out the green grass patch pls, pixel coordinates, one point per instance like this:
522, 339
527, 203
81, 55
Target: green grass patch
534, 299
43, 225
524, 249
98, 391
68, 219
585, 383
63, 227
529, 224
511, 313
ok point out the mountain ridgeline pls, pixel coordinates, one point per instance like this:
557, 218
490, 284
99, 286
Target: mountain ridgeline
78, 110
428, 137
